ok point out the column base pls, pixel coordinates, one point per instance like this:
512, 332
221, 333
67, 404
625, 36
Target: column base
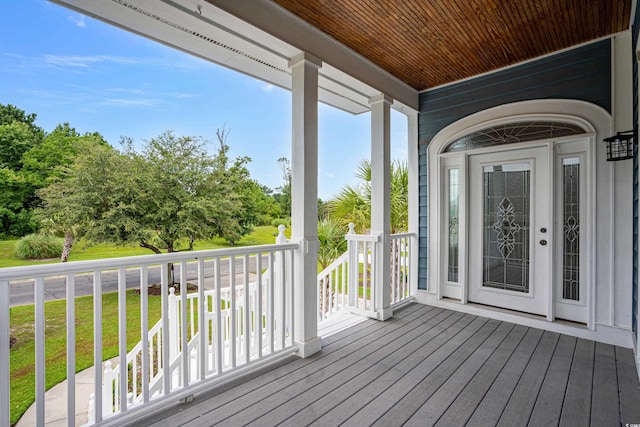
307, 348
384, 314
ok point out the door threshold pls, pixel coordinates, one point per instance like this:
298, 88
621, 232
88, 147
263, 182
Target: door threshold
523, 314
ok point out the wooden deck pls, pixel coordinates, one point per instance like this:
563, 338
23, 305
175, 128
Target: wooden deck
430, 366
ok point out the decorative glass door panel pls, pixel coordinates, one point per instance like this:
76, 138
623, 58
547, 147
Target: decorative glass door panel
509, 211
506, 227
570, 242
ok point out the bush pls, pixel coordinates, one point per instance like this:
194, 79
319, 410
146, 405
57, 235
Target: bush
38, 246
281, 221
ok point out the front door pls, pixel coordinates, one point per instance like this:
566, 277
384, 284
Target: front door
509, 217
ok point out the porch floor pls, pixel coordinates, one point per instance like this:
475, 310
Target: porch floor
431, 366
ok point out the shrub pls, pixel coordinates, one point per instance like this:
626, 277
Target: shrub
38, 246
281, 221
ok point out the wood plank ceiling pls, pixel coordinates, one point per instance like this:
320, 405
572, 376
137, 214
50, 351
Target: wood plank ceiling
427, 43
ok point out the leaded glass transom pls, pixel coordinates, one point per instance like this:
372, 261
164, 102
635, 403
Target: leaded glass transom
571, 229
512, 133
506, 227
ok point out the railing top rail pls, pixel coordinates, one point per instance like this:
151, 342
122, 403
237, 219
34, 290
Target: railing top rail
336, 262
401, 235
31, 271
363, 237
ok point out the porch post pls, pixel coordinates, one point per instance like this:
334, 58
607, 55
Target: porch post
304, 200
380, 200
413, 204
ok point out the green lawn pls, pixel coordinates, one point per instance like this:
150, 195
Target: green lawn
84, 251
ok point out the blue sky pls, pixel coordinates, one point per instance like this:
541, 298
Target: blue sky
66, 67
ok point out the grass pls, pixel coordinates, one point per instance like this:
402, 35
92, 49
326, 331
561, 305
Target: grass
84, 250
22, 357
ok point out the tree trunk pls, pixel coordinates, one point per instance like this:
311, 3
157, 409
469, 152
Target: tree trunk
144, 244
69, 240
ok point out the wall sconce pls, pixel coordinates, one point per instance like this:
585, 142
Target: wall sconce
620, 146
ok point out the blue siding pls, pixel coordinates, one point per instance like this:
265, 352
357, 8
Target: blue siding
422, 218
583, 73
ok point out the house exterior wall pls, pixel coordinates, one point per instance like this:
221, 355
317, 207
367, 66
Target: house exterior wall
583, 73
598, 73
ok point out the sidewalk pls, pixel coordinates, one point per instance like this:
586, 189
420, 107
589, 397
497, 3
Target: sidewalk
56, 403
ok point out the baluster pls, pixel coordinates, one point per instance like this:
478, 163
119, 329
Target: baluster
107, 389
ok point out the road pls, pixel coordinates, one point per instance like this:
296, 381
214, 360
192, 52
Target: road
21, 293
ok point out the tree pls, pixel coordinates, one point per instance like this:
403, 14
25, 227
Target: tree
18, 134
169, 191
332, 241
82, 193
59, 148
353, 203
283, 198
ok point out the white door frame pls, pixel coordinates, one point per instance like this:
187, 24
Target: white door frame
594, 120
535, 300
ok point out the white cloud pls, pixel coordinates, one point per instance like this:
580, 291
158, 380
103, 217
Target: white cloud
328, 174
78, 20
79, 61
267, 87
139, 102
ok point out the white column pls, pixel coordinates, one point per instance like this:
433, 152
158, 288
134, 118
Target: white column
380, 200
414, 196
304, 200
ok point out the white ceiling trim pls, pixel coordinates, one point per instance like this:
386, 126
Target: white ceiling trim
204, 30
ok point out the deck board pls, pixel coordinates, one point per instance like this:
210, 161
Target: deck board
375, 409
430, 366
429, 413
548, 405
465, 404
604, 401
403, 410
629, 390
490, 409
576, 409
346, 407
523, 398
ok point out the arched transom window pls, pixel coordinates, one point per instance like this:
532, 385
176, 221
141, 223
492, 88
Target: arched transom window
514, 132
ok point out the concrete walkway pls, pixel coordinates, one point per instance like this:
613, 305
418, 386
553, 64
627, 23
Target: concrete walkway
55, 403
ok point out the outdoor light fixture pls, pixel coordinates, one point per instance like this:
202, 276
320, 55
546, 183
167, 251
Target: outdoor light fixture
620, 146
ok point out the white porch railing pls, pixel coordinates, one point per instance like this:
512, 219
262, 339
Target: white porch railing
334, 291
402, 246
227, 337
111, 374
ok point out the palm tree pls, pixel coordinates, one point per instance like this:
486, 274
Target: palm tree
353, 203
332, 241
